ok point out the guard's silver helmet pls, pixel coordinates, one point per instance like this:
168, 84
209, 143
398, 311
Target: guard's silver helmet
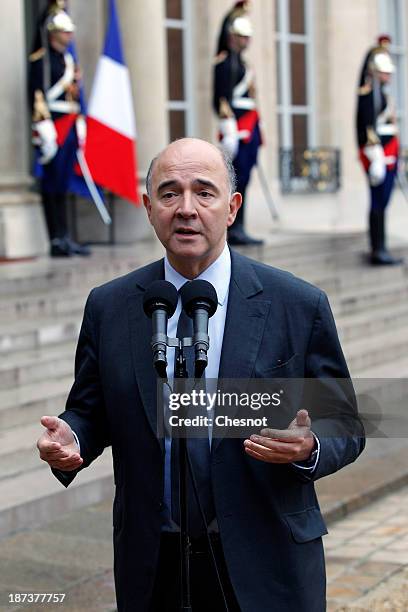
382, 62
60, 22
241, 26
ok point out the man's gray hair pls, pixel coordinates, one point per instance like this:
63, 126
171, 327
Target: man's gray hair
232, 177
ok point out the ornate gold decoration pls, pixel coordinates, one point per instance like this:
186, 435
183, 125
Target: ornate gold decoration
37, 55
40, 108
225, 110
220, 57
372, 138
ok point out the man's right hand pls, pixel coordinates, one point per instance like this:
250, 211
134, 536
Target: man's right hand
57, 445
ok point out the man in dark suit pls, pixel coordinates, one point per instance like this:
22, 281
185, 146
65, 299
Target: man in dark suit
267, 526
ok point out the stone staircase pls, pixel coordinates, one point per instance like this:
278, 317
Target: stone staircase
41, 307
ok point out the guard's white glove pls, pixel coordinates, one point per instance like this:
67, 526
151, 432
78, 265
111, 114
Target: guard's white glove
80, 125
46, 138
378, 168
230, 140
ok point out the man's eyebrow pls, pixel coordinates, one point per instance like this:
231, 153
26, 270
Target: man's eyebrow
199, 181
206, 183
166, 184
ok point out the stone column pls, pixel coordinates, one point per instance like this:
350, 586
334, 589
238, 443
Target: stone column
143, 32
355, 28
22, 229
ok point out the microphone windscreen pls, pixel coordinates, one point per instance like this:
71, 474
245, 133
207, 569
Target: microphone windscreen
199, 291
160, 294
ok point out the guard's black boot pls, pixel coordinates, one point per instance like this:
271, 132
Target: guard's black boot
237, 236
60, 248
379, 254
241, 238
384, 258
77, 249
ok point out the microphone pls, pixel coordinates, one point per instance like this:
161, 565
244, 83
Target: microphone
159, 303
199, 300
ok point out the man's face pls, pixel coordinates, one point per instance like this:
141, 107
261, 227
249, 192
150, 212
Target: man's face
240, 43
384, 77
62, 38
190, 206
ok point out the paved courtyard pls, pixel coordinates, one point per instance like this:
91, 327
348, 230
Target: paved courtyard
366, 553
367, 557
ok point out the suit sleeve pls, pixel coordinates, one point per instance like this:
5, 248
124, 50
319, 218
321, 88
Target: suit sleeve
85, 409
330, 398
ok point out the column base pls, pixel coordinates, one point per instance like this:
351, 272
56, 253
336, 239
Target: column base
22, 227
130, 223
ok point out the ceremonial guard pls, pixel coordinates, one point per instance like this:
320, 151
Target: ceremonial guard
377, 134
59, 126
234, 103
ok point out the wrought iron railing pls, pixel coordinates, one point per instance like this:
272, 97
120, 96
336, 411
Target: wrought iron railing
312, 170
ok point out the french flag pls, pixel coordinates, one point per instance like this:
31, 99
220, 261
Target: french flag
110, 148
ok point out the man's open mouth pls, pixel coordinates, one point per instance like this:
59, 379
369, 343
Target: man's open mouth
186, 231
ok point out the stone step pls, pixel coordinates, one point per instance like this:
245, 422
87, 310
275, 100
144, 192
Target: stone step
336, 279
37, 286
31, 499
41, 304
286, 248
45, 274
25, 367
378, 319
37, 333
364, 353
366, 298
27, 403
18, 450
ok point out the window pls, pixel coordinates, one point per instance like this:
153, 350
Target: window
295, 73
392, 19
179, 68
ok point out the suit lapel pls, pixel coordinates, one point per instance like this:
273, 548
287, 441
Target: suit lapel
140, 328
244, 324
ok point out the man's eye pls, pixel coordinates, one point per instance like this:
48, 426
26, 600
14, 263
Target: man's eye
168, 195
205, 194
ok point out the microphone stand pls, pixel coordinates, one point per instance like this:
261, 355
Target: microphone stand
180, 373
184, 468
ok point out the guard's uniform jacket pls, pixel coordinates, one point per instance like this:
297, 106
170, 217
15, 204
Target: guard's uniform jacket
376, 125
55, 96
234, 93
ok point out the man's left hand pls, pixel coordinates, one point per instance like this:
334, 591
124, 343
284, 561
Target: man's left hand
290, 445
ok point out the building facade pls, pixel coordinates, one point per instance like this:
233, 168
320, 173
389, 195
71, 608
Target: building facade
307, 55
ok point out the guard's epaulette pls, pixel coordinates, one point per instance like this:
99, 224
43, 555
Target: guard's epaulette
220, 57
36, 55
364, 90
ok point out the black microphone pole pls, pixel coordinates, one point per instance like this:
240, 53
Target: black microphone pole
180, 373
159, 303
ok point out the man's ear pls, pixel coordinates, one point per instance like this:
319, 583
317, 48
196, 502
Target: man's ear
148, 205
234, 205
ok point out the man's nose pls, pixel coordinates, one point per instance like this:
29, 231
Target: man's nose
187, 206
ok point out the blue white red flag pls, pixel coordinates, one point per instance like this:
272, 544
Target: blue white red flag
110, 149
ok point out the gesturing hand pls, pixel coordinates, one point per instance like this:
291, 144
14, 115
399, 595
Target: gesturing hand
289, 445
57, 445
